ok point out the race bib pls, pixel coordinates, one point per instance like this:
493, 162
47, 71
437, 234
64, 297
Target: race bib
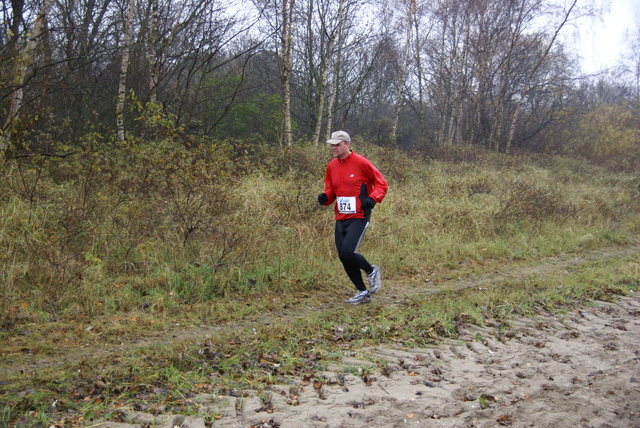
346, 204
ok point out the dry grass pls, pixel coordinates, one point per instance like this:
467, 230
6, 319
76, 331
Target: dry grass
100, 249
179, 225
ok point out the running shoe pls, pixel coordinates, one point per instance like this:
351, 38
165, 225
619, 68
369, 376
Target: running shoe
374, 280
360, 297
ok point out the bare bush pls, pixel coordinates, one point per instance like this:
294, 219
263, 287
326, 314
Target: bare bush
528, 202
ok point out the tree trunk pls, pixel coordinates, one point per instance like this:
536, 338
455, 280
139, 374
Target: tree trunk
152, 57
124, 66
325, 75
402, 71
23, 59
335, 77
527, 86
322, 95
286, 39
420, 77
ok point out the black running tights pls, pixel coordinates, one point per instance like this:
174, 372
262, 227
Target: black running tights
349, 234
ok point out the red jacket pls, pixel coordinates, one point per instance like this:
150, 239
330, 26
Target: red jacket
350, 181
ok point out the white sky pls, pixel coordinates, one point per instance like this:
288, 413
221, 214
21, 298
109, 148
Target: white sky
603, 40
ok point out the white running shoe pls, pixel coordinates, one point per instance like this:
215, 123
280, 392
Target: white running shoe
360, 297
374, 280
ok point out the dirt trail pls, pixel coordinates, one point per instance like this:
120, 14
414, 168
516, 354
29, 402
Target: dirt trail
580, 370
548, 267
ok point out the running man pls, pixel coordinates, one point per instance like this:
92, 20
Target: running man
356, 186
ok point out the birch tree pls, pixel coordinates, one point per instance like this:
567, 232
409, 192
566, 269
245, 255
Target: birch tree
333, 34
24, 58
285, 61
410, 8
124, 67
158, 46
632, 39
421, 34
152, 52
336, 60
532, 73
448, 62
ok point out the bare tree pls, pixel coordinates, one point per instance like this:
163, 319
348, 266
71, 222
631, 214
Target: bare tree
24, 58
633, 57
336, 60
124, 67
410, 8
491, 58
449, 67
421, 32
333, 35
152, 52
414, 26
158, 46
527, 86
487, 72
286, 46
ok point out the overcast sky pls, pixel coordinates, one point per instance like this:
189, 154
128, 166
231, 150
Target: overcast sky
603, 40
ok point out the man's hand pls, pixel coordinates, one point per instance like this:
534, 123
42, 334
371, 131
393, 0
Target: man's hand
368, 204
323, 199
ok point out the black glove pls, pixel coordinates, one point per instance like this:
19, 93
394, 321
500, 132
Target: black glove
368, 204
323, 199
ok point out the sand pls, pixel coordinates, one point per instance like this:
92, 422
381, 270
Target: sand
581, 369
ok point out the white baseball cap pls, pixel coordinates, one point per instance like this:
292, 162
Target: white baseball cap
338, 137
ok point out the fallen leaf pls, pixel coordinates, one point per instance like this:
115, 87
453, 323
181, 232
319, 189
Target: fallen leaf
504, 420
306, 380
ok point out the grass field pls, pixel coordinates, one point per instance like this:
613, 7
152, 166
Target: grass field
139, 275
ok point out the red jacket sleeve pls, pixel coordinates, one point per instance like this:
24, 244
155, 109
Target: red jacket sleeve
380, 185
328, 188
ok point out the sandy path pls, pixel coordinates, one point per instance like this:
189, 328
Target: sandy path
577, 370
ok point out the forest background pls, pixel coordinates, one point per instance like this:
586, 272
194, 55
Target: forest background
409, 74
161, 159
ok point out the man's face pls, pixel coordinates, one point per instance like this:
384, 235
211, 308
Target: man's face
340, 150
